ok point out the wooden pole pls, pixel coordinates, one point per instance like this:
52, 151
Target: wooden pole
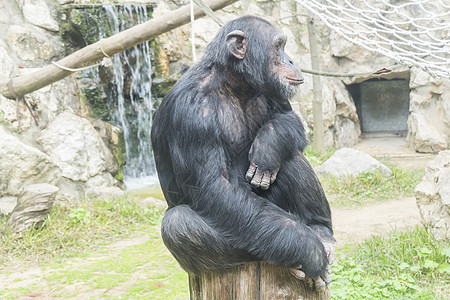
255, 280
119, 42
318, 142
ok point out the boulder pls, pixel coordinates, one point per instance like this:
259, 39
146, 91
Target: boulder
33, 205
76, 147
419, 78
351, 162
425, 135
433, 196
6, 63
103, 186
7, 205
38, 13
109, 133
340, 47
34, 46
151, 202
21, 164
104, 192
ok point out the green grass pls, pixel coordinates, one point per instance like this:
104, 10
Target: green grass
369, 187
145, 270
66, 231
316, 159
408, 265
75, 248
77, 257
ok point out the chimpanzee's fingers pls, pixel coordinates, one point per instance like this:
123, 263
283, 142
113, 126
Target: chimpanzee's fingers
250, 172
327, 276
273, 177
256, 180
319, 283
265, 181
299, 274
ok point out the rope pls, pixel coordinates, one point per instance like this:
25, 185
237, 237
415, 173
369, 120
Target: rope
415, 33
209, 12
103, 51
74, 70
194, 55
106, 61
377, 73
18, 99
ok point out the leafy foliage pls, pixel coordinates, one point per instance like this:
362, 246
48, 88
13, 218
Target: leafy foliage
409, 265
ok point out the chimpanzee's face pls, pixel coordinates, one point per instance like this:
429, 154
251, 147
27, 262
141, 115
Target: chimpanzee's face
287, 76
257, 53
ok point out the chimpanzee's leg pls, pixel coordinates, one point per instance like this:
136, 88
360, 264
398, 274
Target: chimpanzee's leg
195, 244
298, 191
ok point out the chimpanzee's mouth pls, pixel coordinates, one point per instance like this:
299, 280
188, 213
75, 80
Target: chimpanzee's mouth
294, 81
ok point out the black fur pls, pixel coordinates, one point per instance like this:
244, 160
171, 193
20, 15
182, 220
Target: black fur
224, 114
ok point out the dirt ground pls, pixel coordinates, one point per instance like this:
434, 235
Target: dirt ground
356, 224
395, 150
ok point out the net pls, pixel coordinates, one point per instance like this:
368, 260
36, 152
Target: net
412, 32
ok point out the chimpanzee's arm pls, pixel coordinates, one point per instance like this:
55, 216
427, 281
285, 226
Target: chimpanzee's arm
277, 140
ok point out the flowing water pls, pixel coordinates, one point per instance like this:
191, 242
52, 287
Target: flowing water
127, 90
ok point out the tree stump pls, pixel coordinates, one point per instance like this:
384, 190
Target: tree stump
33, 205
255, 280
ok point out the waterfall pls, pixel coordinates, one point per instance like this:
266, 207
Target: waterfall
128, 93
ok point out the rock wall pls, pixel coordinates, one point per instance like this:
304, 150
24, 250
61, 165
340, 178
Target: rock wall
30, 38
428, 124
341, 121
65, 150
429, 120
433, 196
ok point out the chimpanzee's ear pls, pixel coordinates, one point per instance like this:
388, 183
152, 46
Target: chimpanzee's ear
237, 43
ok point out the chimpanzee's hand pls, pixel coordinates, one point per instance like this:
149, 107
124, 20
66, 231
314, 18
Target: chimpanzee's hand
259, 178
265, 163
323, 280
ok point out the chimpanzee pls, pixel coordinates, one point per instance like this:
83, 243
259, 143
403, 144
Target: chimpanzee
228, 151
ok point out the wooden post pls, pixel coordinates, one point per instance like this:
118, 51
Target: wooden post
255, 280
318, 142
